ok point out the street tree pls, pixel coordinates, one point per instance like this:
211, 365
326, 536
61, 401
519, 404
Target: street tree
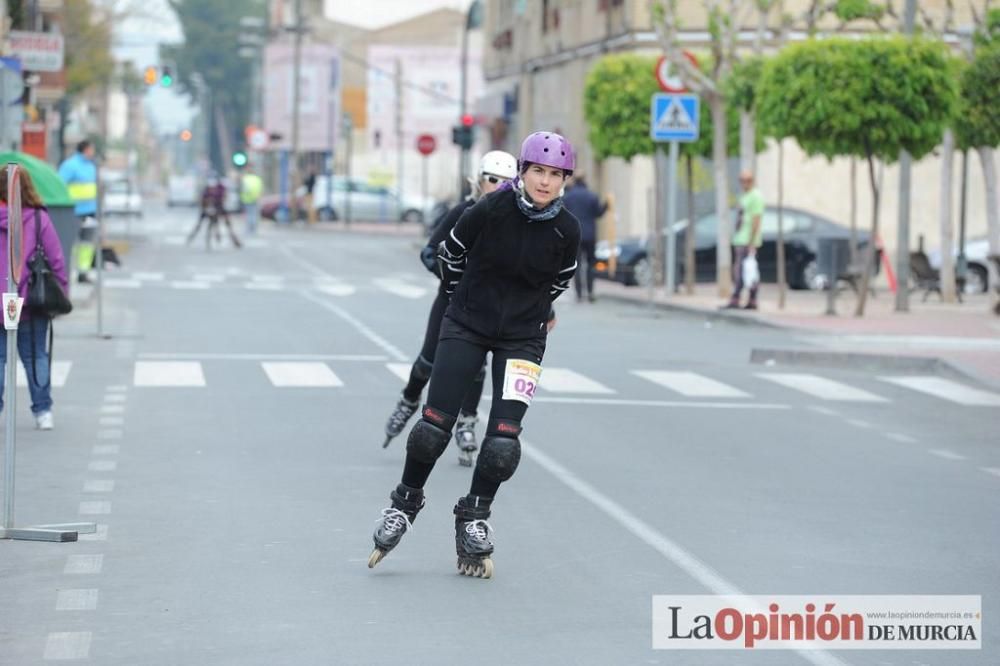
210, 70
869, 98
617, 96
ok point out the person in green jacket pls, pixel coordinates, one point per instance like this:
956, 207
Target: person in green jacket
251, 187
747, 238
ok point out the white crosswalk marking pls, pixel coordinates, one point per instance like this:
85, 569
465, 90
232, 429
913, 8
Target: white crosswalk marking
563, 380
168, 373
301, 374
947, 390
67, 645
691, 384
60, 372
401, 370
148, 277
400, 288
264, 286
821, 387
186, 284
120, 283
336, 289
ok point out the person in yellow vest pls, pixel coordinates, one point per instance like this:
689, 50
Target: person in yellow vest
80, 175
251, 187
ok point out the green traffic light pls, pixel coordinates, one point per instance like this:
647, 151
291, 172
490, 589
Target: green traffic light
166, 80
239, 159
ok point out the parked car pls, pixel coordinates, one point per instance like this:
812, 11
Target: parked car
803, 230
182, 190
121, 198
976, 275
368, 202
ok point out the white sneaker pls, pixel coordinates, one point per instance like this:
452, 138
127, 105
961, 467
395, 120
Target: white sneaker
44, 421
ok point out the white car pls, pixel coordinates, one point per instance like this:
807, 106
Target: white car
182, 191
368, 202
122, 198
977, 275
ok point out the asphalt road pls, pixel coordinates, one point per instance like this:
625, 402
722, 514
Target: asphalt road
226, 439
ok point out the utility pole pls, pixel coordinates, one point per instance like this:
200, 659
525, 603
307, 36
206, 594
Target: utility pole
472, 20
296, 92
903, 231
398, 71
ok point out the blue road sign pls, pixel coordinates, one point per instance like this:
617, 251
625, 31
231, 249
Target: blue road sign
674, 117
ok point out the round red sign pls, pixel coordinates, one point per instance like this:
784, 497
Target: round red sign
667, 76
426, 144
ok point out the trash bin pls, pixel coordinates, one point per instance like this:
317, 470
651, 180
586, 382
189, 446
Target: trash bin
832, 258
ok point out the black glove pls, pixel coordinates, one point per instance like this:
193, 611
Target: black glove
428, 256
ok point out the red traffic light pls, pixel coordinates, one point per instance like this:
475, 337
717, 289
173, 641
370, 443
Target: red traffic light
468, 120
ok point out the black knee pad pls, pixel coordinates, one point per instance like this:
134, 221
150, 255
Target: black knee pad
429, 437
498, 457
422, 368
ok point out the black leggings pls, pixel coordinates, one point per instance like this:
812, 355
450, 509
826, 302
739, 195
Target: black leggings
420, 372
459, 358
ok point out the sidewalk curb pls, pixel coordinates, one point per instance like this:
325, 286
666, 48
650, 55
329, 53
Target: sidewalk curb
868, 362
735, 317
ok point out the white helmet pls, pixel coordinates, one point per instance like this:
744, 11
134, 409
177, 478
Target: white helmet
498, 163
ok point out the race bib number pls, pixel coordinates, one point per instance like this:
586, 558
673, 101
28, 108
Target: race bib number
520, 380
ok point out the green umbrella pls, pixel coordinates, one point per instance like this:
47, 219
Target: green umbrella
46, 179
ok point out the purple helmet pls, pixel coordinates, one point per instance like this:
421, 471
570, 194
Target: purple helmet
548, 149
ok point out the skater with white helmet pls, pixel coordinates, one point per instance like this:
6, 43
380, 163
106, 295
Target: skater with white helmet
507, 259
495, 168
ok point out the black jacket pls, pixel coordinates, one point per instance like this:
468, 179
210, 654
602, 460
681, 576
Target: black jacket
428, 254
587, 207
506, 270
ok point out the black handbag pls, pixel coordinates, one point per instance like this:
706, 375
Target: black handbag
45, 295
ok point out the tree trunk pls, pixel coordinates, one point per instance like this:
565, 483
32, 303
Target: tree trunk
748, 141
225, 143
723, 263
689, 257
782, 277
869, 260
992, 214
944, 218
854, 211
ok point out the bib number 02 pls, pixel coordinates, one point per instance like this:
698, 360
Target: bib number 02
521, 380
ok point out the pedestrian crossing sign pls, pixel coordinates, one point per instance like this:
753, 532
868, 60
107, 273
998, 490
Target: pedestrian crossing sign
674, 117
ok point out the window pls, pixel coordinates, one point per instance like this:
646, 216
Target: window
545, 16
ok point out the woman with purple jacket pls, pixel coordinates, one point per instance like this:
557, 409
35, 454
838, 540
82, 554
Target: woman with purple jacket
505, 261
33, 328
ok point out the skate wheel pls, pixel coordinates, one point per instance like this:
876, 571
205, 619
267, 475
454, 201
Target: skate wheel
375, 558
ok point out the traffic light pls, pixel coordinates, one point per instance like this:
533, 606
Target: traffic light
239, 158
186, 135
468, 120
166, 77
461, 136
150, 76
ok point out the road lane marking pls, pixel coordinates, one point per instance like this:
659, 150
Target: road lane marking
112, 409
264, 286
111, 421
946, 454
995, 471
900, 437
821, 387
690, 384
98, 486
189, 284
564, 380
60, 373
336, 289
361, 328
148, 277
115, 397
76, 600
168, 373
116, 388
84, 564
672, 551
401, 370
109, 434
679, 404
300, 374
947, 390
858, 423
67, 645
823, 410
94, 508
102, 466
212, 356
399, 288
106, 450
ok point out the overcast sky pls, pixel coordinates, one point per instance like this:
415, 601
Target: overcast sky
376, 13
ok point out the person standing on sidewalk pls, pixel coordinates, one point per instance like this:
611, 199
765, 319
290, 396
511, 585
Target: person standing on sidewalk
251, 187
34, 327
310, 201
79, 172
747, 238
587, 207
